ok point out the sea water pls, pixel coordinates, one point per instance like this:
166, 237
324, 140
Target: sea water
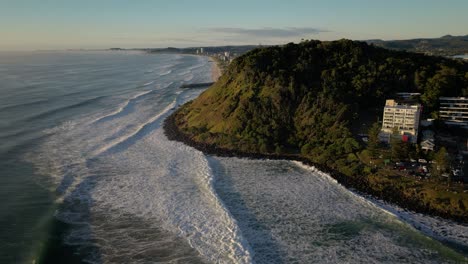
462, 56
87, 175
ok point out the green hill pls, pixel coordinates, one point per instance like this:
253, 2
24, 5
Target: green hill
307, 95
304, 100
444, 46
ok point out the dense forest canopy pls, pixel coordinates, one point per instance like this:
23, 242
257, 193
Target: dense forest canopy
304, 97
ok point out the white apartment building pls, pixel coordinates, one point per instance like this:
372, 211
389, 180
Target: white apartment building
404, 117
454, 110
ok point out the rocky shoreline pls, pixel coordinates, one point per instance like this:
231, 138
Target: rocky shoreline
361, 185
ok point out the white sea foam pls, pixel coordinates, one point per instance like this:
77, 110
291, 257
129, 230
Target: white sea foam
133, 196
121, 109
126, 170
435, 227
165, 73
188, 78
289, 212
148, 83
184, 73
438, 228
139, 128
128, 105
180, 180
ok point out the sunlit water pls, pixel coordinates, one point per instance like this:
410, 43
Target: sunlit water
462, 56
86, 169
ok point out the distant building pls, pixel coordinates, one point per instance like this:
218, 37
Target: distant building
201, 50
454, 110
403, 117
427, 141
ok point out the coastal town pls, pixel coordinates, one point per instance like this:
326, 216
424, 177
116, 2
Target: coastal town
427, 148
222, 57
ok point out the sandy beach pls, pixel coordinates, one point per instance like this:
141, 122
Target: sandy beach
215, 70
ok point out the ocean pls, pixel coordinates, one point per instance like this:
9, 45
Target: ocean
88, 176
462, 56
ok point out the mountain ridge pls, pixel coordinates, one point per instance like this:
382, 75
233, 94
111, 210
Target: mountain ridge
447, 45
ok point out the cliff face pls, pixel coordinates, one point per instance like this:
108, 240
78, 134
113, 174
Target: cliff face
305, 96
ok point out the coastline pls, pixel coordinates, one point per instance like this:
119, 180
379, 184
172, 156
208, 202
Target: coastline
359, 185
215, 70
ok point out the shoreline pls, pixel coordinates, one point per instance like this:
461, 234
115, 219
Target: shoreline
215, 70
359, 185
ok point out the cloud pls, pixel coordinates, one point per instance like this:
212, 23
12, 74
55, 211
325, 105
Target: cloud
269, 32
157, 39
219, 36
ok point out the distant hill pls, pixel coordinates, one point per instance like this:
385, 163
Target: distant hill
444, 46
238, 50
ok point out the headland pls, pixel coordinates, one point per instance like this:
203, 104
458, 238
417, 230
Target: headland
306, 101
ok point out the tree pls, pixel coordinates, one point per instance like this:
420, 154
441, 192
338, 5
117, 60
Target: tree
441, 163
373, 141
308, 96
399, 149
395, 144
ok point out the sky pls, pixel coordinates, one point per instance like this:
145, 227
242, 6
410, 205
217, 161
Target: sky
96, 24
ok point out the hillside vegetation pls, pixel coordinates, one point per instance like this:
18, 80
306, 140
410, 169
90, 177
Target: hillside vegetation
302, 99
444, 46
305, 96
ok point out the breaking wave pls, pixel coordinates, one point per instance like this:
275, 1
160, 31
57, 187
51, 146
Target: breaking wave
117, 174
